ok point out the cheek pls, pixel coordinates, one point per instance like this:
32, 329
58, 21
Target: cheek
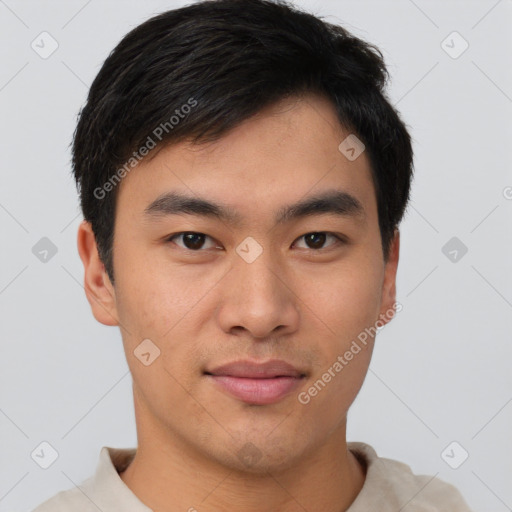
154, 306
345, 300
166, 382
153, 303
344, 354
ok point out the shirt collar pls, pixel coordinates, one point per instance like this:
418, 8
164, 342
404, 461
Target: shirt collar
109, 493
106, 489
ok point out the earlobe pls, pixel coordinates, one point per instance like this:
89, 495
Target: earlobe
98, 288
388, 295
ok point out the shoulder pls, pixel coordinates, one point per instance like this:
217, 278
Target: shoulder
395, 483
99, 490
72, 499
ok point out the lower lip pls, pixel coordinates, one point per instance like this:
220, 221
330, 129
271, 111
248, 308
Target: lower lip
257, 391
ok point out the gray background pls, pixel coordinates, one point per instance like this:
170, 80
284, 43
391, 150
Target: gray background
440, 371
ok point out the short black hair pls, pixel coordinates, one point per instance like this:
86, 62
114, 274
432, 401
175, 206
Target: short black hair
196, 72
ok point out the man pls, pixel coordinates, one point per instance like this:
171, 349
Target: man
242, 178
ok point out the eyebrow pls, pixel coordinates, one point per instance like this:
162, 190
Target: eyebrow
335, 202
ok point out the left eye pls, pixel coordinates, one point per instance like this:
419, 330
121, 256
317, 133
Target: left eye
317, 239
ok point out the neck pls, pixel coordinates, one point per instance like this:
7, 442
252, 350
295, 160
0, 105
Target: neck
169, 476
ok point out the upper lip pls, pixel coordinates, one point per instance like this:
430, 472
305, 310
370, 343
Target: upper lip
254, 370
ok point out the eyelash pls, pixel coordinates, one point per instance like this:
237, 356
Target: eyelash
340, 240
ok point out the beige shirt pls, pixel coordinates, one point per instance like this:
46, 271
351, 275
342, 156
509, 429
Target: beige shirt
390, 486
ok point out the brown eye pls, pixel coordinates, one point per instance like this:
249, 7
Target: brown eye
190, 240
316, 240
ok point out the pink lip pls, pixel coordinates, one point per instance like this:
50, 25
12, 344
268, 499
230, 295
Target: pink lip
257, 383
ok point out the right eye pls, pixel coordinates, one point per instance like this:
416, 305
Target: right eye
191, 240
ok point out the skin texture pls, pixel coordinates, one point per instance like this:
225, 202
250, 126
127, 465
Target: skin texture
207, 307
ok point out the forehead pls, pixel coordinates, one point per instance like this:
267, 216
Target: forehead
285, 153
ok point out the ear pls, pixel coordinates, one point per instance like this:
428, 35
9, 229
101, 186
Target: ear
388, 293
98, 288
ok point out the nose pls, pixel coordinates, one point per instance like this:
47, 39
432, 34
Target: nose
257, 298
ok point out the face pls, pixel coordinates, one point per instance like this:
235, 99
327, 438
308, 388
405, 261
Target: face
284, 267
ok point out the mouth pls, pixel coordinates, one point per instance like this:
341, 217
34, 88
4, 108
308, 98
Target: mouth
257, 383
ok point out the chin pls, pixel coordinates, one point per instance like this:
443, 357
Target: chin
261, 453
